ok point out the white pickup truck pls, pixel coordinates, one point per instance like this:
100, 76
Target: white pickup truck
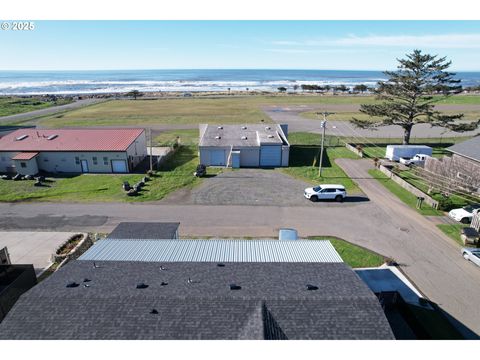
418, 160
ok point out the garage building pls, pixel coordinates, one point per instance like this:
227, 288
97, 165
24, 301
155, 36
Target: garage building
29, 151
250, 145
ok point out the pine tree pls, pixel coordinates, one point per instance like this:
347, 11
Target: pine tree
409, 95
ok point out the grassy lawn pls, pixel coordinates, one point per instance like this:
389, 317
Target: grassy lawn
304, 160
446, 203
168, 138
177, 172
16, 105
195, 110
402, 194
452, 231
353, 255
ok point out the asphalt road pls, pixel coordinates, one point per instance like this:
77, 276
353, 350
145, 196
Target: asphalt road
31, 115
384, 224
290, 115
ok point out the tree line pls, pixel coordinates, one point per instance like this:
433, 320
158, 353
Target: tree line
360, 88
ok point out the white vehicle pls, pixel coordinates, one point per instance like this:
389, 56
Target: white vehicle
472, 254
418, 160
465, 214
395, 152
326, 192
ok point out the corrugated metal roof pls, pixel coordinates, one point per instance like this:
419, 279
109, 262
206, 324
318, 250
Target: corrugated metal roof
69, 140
25, 156
212, 251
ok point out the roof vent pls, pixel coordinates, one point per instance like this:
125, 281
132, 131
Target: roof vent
220, 127
218, 137
51, 137
271, 136
221, 265
21, 137
235, 287
268, 128
154, 311
312, 287
163, 283
72, 284
162, 268
142, 286
244, 138
244, 128
86, 280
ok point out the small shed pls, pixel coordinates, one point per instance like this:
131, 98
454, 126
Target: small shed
26, 163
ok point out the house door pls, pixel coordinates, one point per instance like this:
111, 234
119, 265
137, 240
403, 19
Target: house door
84, 166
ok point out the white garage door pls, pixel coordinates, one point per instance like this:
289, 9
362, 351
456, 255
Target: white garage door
270, 155
217, 157
119, 166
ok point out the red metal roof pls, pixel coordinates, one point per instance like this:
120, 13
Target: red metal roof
25, 156
69, 140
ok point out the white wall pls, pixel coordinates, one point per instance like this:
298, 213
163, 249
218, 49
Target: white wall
137, 151
31, 167
6, 160
65, 162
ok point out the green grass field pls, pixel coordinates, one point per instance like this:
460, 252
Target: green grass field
304, 161
195, 110
16, 105
407, 197
185, 137
353, 255
452, 231
176, 173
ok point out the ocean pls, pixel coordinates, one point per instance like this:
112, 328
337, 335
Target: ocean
116, 81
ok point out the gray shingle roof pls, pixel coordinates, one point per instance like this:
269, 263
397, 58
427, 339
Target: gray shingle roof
145, 230
211, 250
469, 148
273, 302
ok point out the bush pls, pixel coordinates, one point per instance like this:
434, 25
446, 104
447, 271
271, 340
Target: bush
445, 203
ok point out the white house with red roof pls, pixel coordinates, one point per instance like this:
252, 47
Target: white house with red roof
28, 151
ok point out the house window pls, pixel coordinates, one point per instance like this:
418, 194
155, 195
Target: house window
45, 159
105, 160
77, 160
462, 176
23, 165
95, 162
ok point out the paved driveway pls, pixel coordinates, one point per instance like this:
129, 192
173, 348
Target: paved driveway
32, 247
266, 187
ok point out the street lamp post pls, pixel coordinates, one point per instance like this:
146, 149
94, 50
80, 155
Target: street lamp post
323, 125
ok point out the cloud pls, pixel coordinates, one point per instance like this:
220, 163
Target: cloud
441, 41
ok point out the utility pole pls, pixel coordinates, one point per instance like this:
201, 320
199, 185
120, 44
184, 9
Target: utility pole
151, 154
323, 125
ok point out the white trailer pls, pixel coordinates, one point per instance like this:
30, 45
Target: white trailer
395, 152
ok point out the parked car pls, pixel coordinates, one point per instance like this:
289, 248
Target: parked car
418, 160
395, 152
472, 254
469, 236
326, 192
465, 214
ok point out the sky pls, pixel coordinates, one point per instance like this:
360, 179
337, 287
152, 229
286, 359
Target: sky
324, 45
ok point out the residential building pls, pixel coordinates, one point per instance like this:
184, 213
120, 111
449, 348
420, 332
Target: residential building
29, 151
249, 145
198, 300
461, 170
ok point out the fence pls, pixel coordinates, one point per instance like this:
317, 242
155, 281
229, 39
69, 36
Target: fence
354, 149
409, 187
